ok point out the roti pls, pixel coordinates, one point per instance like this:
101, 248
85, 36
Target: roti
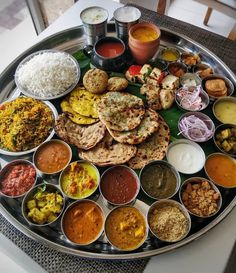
83, 102
154, 148
75, 117
82, 136
148, 125
120, 111
108, 153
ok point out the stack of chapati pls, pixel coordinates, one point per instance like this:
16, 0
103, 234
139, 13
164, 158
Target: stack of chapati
126, 133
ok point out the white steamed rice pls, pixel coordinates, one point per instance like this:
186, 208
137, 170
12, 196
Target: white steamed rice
47, 74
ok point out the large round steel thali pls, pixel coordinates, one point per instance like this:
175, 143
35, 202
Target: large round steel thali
71, 41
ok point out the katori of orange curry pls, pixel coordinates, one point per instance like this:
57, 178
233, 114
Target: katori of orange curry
83, 223
52, 157
222, 170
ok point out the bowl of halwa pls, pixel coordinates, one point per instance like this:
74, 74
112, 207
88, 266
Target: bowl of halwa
168, 220
126, 228
43, 205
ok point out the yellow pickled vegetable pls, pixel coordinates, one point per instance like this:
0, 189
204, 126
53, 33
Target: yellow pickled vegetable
44, 207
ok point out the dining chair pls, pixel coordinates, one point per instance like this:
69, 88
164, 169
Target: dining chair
228, 7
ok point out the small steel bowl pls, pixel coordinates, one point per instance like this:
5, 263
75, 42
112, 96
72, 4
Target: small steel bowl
110, 240
223, 100
166, 203
196, 180
71, 206
174, 67
215, 182
217, 131
200, 67
173, 50
228, 83
108, 202
203, 95
162, 163
176, 159
5, 170
66, 169
48, 143
29, 93
162, 65
190, 79
49, 188
185, 55
209, 123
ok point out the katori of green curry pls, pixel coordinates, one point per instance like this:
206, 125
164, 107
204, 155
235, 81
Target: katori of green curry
159, 181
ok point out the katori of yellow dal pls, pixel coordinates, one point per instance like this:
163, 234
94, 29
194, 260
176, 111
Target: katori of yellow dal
145, 34
24, 124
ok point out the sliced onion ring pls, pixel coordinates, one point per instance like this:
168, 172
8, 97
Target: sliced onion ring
195, 128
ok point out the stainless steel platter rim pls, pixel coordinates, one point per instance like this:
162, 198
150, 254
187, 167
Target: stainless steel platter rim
118, 256
125, 256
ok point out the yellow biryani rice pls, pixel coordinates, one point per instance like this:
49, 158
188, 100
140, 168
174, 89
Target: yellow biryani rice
24, 124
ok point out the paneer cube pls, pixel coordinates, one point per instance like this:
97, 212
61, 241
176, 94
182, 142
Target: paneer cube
225, 133
226, 146
156, 73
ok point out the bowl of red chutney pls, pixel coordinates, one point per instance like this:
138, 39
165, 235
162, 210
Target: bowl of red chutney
17, 178
119, 185
109, 53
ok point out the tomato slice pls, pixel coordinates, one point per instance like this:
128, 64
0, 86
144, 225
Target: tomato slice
161, 77
134, 70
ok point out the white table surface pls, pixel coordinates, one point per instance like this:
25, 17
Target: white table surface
209, 254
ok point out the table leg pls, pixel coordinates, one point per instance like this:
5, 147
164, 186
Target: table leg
207, 17
232, 34
161, 7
